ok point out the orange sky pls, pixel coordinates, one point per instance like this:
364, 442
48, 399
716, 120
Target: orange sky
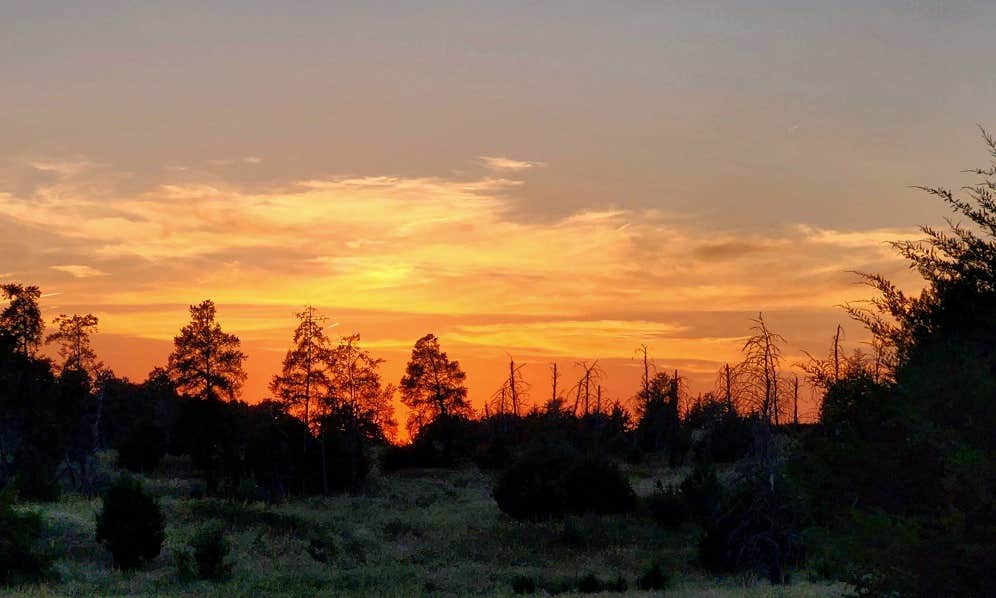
549, 181
393, 258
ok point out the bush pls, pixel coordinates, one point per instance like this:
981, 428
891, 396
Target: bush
759, 528
206, 557
20, 559
549, 482
130, 524
654, 578
142, 447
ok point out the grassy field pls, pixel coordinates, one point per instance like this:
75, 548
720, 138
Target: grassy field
415, 533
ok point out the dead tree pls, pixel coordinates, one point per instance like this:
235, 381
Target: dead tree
509, 398
592, 375
795, 400
759, 374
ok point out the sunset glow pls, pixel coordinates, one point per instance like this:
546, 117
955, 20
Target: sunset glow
540, 225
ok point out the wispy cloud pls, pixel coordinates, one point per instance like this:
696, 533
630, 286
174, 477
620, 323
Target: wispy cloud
501, 163
79, 271
65, 168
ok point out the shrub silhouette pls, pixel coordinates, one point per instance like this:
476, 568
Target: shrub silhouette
206, 556
759, 527
130, 525
20, 559
549, 482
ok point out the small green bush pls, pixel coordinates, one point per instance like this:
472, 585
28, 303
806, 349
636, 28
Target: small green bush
20, 558
210, 551
130, 524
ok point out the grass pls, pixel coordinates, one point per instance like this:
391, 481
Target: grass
429, 532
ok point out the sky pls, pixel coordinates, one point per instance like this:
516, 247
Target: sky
541, 181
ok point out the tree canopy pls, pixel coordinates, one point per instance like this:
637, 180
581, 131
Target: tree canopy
433, 385
206, 362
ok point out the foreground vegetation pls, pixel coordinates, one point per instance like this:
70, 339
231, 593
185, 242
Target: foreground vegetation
421, 532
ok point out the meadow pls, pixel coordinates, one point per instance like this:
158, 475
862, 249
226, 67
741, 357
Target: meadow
423, 532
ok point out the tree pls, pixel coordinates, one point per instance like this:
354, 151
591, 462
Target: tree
304, 374
205, 360
657, 412
590, 380
73, 337
355, 383
511, 395
21, 320
759, 372
433, 386
906, 460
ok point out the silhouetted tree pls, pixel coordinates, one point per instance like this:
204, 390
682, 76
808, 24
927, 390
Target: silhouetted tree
304, 374
511, 395
591, 377
433, 385
206, 361
354, 381
657, 412
73, 337
760, 371
21, 320
206, 364
904, 471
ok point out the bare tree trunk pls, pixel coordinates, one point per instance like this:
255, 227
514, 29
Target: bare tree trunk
511, 385
729, 390
836, 355
556, 376
795, 400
